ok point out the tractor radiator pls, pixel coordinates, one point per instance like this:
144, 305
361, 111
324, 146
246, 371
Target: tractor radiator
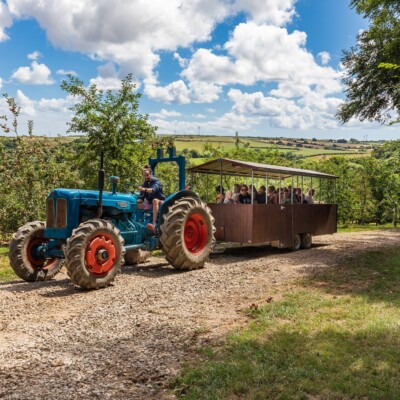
56, 216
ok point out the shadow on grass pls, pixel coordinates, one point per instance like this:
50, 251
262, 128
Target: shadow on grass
374, 275
293, 365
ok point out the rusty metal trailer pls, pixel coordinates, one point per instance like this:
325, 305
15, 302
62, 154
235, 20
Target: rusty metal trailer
279, 224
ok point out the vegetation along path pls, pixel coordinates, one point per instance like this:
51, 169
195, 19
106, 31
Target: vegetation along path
130, 340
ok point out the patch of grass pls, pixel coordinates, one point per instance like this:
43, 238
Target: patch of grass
335, 336
6, 272
365, 227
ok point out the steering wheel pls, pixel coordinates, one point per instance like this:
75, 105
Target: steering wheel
131, 187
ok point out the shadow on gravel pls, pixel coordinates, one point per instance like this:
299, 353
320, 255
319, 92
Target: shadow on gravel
150, 270
22, 286
235, 254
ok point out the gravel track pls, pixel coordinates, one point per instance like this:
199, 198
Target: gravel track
129, 340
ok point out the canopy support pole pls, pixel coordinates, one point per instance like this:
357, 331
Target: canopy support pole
292, 191
279, 197
252, 187
266, 188
220, 180
319, 201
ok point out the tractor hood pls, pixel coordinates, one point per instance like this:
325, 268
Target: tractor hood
122, 201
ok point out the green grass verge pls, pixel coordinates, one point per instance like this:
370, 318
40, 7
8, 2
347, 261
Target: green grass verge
365, 227
6, 272
335, 336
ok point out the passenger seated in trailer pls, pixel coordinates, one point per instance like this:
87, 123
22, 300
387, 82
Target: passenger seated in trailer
286, 196
151, 195
272, 198
235, 198
220, 194
229, 197
299, 196
261, 195
236, 188
310, 196
244, 197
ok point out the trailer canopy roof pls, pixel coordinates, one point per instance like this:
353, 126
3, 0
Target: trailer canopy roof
245, 168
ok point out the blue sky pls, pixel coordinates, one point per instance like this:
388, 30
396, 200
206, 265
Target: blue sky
259, 67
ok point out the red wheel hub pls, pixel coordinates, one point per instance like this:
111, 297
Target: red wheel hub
195, 233
36, 261
100, 254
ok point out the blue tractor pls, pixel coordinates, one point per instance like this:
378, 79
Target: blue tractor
93, 233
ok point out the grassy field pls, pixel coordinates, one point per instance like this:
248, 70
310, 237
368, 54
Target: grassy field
286, 145
333, 336
6, 273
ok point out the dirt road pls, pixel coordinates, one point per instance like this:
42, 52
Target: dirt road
129, 340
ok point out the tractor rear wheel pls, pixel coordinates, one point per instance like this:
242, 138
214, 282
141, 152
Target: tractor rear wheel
25, 260
94, 254
187, 233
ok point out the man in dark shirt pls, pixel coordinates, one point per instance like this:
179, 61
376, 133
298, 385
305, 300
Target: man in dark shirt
151, 195
244, 197
261, 196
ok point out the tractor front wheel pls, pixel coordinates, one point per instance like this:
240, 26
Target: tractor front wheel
187, 233
94, 254
25, 257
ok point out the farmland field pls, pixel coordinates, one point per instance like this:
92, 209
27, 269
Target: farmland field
305, 148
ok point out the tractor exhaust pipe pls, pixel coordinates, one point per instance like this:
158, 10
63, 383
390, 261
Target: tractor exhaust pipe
100, 185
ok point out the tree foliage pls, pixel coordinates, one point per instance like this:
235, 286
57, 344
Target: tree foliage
113, 125
29, 169
372, 79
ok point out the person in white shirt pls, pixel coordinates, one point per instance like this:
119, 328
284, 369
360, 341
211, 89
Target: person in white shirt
310, 196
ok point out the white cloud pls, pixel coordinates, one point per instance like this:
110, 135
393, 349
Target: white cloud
66, 72
36, 74
325, 57
131, 33
35, 55
313, 111
175, 92
178, 92
263, 53
182, 61
1, 83
199, 116
106, 83
109, 78
27, 105
5, 21
165, 114
274, 12
211, 110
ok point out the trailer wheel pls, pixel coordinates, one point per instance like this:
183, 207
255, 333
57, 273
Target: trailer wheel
187, 233
25, 261
133, 257
94, 254
296, 243
306, 241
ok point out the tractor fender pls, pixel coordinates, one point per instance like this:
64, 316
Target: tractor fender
171, 199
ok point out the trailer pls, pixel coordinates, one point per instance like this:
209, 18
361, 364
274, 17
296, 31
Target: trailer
281, 225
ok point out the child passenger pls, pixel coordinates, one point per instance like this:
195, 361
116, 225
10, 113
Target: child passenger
229, 198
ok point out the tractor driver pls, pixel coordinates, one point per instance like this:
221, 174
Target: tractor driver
151, 195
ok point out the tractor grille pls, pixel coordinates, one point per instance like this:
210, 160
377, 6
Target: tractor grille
56, 218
